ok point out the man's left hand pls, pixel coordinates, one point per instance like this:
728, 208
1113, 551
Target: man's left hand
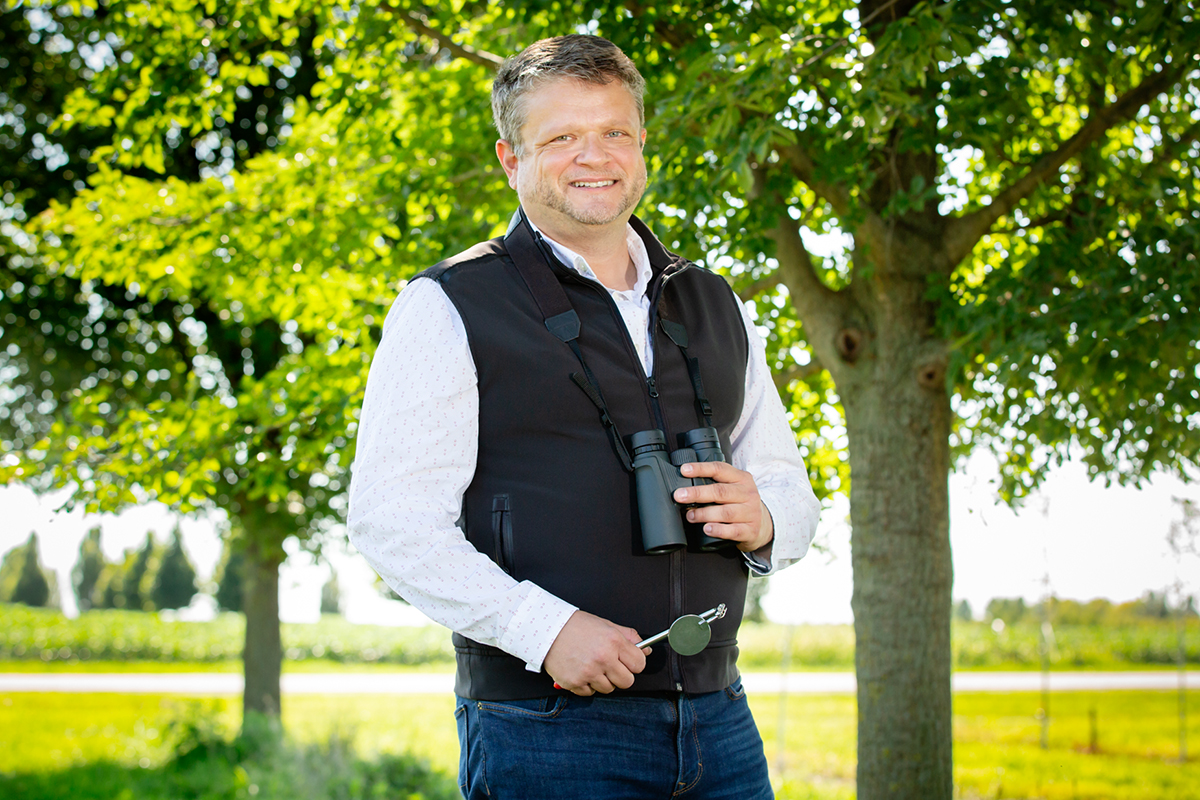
737, 513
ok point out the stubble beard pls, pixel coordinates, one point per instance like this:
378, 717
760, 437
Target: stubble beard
549, 195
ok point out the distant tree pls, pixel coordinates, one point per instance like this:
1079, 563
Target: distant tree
87, 569
963, 611
139, 581
10, 571
175, 582
32, 588
230, 577
109, 591
1074, 612
755, 591
331, 596
1009, 609
1151, 605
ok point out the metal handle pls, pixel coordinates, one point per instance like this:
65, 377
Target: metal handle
712, 615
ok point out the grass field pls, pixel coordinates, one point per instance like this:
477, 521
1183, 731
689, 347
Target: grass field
56, 741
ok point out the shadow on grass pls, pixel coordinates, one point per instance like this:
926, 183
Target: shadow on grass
259, 764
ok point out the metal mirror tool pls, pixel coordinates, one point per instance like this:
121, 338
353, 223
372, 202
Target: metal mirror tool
689, 634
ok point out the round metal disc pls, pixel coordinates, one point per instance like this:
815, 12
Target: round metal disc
689, 635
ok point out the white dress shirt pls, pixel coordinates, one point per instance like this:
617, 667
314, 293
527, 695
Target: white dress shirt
416, 454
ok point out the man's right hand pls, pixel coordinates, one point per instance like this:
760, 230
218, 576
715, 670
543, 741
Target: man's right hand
591, 654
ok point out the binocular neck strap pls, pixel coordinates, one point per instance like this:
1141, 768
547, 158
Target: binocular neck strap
679, 335
532, 259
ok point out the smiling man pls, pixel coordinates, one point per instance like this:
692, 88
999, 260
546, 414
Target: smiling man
500, 482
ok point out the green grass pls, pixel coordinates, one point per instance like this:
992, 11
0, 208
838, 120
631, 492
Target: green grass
40, 636
67, 738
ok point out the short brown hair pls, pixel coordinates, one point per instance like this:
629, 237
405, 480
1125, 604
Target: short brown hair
586, 58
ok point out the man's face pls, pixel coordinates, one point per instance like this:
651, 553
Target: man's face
582, 164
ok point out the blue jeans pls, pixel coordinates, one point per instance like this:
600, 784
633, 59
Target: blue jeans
702, 746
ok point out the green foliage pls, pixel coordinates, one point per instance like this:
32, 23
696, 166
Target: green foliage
87, 569
175, 581
22, 578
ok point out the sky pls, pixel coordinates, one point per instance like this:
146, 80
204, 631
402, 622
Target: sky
1088, 539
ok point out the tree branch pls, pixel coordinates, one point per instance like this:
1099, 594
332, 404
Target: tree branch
420, 24
872, 227
823, 311
797, 372
964, 232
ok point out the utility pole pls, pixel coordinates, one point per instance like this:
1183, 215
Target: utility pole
1181, 538
1047, 637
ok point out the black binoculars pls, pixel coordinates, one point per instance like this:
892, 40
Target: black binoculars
657, 476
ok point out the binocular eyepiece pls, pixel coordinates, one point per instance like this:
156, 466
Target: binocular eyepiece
657, 476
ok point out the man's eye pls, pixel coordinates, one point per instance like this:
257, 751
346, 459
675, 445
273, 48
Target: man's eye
615, 134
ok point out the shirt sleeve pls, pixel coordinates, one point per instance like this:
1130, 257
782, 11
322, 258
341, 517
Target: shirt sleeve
416, 452
765, 446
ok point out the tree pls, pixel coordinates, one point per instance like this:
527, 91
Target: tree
87, 569
755, 591
1009, 609
229, 577
109, 591
128, 350
1013, 186
175, 582
140, 575
22, 579
331, 596
962, 611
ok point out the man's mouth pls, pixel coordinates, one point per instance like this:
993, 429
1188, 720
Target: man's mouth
592, 184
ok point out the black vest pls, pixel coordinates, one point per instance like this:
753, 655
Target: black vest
550, 501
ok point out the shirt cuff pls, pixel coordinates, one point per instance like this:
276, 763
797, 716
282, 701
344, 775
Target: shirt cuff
535, 626
766, 560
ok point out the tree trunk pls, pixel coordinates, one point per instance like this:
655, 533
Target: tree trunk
263, 531
898, 419
262, 657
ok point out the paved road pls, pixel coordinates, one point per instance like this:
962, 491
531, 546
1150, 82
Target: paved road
201, 683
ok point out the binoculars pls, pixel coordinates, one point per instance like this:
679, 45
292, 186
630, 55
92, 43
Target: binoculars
657, 476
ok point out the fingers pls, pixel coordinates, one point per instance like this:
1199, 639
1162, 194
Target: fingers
591, 655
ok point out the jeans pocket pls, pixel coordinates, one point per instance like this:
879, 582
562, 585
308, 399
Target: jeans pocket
535, 708
735, 690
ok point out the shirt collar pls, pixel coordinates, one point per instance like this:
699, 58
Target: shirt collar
637, 252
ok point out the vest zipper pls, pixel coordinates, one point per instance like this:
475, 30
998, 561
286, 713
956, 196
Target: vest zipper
674, 664
676, 589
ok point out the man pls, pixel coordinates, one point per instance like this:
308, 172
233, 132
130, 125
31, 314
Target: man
493, 484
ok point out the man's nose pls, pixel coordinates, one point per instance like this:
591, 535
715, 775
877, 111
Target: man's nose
591, 150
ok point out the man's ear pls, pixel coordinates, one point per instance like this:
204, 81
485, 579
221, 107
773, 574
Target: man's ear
643, 138
508, 160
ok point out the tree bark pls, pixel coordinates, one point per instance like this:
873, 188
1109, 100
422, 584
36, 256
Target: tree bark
898, 414
264, 531
263, 654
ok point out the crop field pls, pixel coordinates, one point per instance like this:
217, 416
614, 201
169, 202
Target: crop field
47, 637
